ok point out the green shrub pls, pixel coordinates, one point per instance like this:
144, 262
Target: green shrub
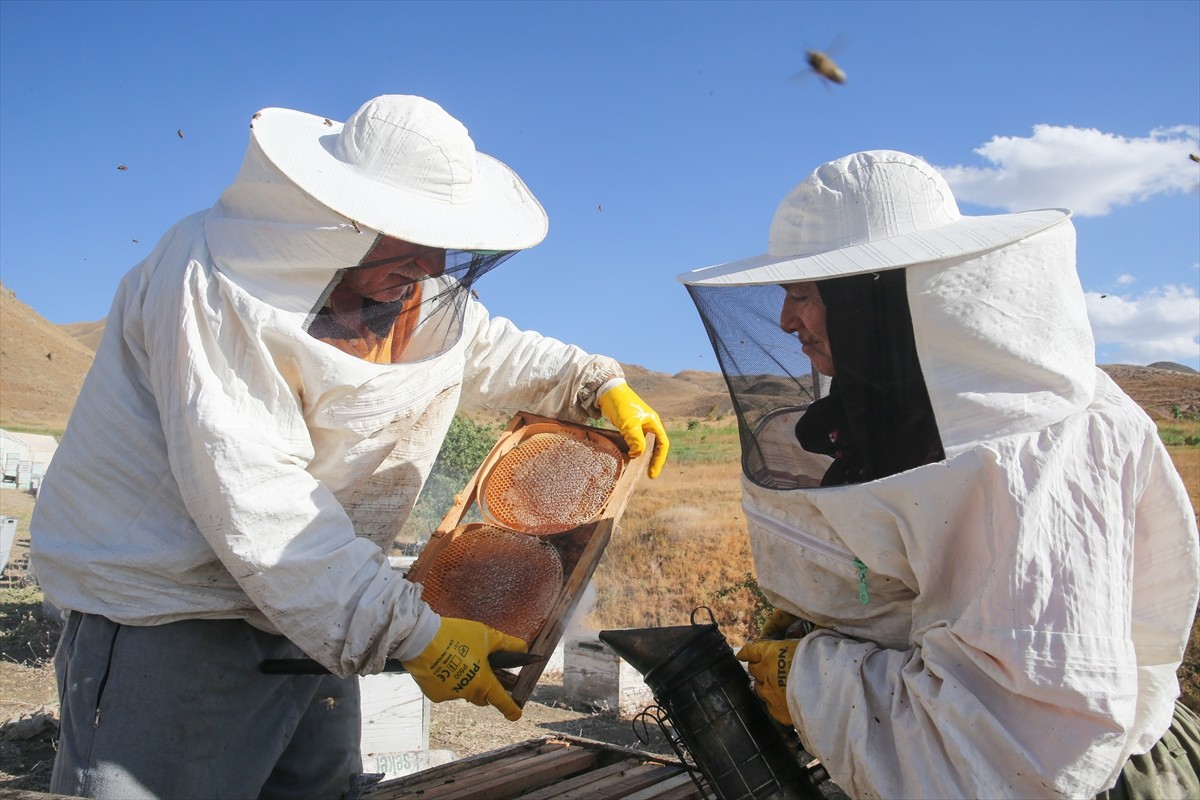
467, 444
1178, 437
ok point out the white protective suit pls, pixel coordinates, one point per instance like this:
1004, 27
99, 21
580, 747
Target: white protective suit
1028, 598
222, 463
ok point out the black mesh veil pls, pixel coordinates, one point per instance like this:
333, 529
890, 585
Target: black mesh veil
878, 408
798, 429
770, 380
400, 309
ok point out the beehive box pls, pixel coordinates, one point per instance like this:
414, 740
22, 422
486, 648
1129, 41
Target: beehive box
552, 767
578, 549
595, 677
395, 726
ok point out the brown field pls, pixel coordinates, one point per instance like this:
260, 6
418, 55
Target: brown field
682, 544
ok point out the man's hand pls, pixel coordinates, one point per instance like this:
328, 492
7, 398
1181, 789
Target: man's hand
455, 665
634, 419
769, 661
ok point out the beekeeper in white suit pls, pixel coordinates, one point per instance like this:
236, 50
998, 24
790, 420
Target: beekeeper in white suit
273, 386
997, 554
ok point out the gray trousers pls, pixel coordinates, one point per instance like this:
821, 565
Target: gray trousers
182, 711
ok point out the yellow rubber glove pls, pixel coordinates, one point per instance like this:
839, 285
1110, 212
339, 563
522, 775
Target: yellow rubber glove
455, 665
634, 419
777, 624
769, 661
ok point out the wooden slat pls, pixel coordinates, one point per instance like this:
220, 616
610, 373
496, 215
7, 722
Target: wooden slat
480, 772
634, 781
507, 781
406, 785
678, 787
493, 759
558, 768
560, 788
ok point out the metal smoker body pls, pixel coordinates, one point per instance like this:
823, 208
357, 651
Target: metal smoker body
706, 704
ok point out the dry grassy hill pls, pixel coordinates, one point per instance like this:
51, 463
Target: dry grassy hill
86, 333
684, 395
41, 368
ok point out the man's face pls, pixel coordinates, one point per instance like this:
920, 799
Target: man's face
392, 267
803, 314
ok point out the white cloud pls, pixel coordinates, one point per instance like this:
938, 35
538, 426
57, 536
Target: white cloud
1124, 279
1161, 325
1083, 169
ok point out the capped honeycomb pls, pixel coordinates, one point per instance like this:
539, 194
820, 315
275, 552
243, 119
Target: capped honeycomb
549, 483
503, 579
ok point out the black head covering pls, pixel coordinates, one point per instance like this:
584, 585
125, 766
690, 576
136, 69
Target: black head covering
877, 419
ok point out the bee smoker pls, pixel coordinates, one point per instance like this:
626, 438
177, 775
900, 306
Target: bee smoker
710, 714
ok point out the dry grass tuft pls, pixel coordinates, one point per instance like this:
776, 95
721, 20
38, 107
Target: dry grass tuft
682, 544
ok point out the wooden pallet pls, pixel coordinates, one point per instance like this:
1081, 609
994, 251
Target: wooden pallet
579, 549
552, 768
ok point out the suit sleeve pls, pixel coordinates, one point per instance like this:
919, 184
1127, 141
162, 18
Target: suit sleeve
511, 370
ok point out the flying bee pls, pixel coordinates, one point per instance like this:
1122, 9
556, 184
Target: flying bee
328, 122
825, 66
1194, 157
122, 167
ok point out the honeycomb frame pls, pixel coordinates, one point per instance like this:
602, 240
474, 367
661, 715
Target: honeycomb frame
523, 487
580, 549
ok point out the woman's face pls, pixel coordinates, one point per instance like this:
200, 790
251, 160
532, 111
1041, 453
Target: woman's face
392, 267
803, 314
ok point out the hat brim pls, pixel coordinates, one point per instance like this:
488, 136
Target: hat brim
502, 214
967, 236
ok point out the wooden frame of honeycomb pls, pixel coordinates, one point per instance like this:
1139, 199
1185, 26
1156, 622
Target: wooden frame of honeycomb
579, 548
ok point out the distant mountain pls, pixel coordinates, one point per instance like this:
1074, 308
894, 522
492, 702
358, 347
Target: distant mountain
1171, 365
1164, 389
86, 333
42, 367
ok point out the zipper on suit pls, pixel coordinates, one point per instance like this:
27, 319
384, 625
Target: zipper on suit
827, 549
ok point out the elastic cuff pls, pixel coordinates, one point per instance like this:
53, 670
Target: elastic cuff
604, 387
422, 634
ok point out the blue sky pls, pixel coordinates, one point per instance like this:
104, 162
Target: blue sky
659, 136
